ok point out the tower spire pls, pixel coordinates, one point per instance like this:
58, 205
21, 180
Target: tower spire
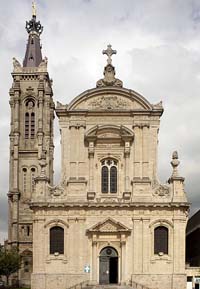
33, 55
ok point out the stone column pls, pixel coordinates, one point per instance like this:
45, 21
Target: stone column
91, 166
47, 108
71, 248
145, 150
40, 124
123, 260
138, 152
15, 161
38, 245
9, 217
153, 151
15, 217
40, 111
179, 244
16, 111
137, 245
127, 158
81, 146
146, 242
94, 260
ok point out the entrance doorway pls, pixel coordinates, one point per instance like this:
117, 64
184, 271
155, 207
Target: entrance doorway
108, 266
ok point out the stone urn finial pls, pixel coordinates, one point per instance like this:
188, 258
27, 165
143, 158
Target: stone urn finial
175, 163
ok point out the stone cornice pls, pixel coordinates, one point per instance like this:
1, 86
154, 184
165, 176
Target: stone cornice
87, 205
86, 112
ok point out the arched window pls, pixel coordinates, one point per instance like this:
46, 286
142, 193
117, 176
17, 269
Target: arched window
24, 180
26, 125
113, 179
109, 176
32, 125
29, 122
57, 240
32, 179
161, 240
104, 179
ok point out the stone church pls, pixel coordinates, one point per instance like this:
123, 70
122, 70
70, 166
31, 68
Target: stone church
109, 220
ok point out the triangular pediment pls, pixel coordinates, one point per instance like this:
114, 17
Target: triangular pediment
109, 226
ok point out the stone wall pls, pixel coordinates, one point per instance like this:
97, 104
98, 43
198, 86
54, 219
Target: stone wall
161, 281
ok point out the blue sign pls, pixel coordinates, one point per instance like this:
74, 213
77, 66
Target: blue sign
87, 269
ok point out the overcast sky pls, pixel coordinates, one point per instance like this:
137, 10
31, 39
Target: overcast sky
158, 55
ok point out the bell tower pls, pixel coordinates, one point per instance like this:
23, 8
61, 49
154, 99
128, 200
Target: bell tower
31, 140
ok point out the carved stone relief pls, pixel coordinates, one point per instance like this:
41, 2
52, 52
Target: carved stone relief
56, 191
160, 190
109, 102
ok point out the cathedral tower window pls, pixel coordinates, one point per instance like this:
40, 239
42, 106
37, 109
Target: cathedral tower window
161, 240
24, 180
27, 125
33, 170
109, 176
29, 119
57, 240
32, 125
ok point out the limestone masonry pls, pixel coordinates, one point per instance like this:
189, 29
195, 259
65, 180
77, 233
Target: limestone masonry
109, 220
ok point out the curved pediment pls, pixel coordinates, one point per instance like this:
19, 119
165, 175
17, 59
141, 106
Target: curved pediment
109, 99
109, 226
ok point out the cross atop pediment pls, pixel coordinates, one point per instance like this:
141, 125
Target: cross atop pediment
109, 52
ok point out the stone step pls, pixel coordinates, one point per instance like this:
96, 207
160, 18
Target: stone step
107, 287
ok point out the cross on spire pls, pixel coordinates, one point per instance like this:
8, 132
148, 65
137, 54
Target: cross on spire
109, 52
33, 9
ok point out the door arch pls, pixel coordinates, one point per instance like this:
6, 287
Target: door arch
108, 266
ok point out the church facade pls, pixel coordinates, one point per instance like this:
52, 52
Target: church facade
110, 220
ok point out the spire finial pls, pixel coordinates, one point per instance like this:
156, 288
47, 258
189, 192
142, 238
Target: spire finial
109, 70
33, 9
109, 52
32, 25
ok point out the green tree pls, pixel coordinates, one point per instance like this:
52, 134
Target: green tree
9, 262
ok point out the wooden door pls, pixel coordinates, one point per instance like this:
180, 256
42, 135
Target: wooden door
104, 270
